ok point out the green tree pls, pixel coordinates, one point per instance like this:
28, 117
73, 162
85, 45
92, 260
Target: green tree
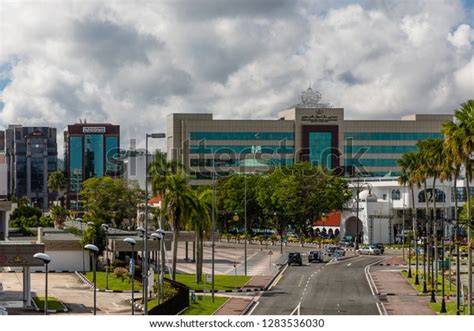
57, 182
94, 233
178, 203
459, 141
59, 214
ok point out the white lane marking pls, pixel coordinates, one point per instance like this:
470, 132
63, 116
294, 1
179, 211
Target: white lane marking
370, 280
301, 281
254, 307
349, 264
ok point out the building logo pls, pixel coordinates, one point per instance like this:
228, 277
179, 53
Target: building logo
93, 129
319, 117
312, 99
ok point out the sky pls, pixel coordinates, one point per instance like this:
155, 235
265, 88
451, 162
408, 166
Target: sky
133, 62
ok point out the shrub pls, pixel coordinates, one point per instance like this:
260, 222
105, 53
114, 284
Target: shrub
121, 273
119, 264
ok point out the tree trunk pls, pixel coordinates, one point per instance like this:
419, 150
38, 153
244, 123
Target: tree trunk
435, 235
469, 239
427, 227
415, 229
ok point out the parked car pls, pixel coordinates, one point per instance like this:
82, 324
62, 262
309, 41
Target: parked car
380, 246
330, 250
339, 252
315, 256
369, 250
346, 244
295, 258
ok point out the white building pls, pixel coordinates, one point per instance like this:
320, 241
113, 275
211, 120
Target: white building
381, 205
135, 168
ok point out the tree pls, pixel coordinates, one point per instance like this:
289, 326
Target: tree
459, 140
57, 182
110, 199
178, 203
200, 222
408, 164
94, 234
59, 214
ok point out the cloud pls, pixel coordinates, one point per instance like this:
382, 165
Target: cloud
132, 63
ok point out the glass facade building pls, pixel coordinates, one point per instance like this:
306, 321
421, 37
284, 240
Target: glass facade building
91, 150
308, 131
31, 155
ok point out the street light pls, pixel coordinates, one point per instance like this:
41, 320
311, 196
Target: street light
145, 248
144, 271
132, 243
46, 259
105, 227
94, 250
158, 236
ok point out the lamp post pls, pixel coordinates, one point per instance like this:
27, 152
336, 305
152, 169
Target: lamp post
245, 224
46, 259
145, 248
94, 250
132, 243
105, 227
213, 230
144, 271
443, 301
158, 236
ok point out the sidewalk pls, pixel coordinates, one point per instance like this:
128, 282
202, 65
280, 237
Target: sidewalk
235, 306
257, 282
402, 298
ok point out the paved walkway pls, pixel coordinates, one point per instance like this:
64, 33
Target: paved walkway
235, 306
402, 298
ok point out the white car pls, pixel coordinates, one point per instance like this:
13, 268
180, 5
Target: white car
369, 250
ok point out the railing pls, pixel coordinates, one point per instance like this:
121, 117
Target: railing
174, 305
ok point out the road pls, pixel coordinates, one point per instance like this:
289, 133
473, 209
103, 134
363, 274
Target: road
322, 289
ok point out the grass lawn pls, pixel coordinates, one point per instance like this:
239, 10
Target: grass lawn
222, 282
114, 283
450, 307
53, 303
419, 288
205, 306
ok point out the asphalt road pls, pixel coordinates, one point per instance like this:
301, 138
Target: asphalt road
322, 289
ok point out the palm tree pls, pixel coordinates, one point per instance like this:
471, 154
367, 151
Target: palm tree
422, 173
408, 164
59, 215
57, 182
459, 135
178, 203
201, 223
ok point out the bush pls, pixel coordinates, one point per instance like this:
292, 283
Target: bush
168, 289
121, 273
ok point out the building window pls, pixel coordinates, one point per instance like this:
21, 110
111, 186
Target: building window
353, 149
391, 135
320, 149
440, 196
94, 155
395, 194
371, 162
242, 136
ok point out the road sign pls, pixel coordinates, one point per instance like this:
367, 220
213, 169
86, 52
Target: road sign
270, 253
236, 218
235, 264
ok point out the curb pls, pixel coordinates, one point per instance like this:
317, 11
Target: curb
229, 291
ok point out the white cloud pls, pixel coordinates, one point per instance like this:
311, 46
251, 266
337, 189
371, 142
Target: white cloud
132, 63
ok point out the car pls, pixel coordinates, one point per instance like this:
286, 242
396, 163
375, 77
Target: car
369, 250
380, 246
339, 252
330, 250
315, 256
346, 244
295, 258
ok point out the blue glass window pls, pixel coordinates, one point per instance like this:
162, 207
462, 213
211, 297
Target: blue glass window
372, 162
94, 155
320, 144
391, 135
379, 149
112, 154
242, 136
242, 149
75, 162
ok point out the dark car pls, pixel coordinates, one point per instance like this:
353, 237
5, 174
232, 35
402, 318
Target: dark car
295, 258
380, 246
315, 256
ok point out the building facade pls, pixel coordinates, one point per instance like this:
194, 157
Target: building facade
309, 131
30, 156
90, 150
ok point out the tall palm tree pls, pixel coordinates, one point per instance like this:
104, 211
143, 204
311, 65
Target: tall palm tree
459, 135
57, 182
422, 173
201, 224
408, 164
178, 203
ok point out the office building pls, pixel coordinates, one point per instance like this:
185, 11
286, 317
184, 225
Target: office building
309, 131
90, 150
30, 155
